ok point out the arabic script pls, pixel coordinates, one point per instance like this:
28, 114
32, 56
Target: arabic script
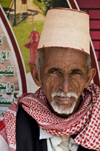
7, 88
7, 72
4, 55
1, 39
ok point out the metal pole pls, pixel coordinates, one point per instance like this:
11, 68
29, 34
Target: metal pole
15, 23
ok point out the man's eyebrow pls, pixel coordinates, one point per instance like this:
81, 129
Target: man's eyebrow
54, 69
77, 70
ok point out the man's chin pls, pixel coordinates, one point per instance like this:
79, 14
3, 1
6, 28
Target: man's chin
60, 111
64, 115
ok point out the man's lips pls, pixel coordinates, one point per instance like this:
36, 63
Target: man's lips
64, 99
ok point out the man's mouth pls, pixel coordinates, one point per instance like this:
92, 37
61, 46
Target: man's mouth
63, 99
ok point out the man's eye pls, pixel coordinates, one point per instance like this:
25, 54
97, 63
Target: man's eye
77, 72
53, 72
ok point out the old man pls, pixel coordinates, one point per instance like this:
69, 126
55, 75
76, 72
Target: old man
63, 115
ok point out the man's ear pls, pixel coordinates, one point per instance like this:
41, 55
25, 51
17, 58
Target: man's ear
91, 75
34, 74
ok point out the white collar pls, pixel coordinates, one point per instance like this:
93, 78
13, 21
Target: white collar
55, 142
44, 134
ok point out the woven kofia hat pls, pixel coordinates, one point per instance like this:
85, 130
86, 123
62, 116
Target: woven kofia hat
66, 28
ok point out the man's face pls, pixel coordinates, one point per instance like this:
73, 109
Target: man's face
63, 76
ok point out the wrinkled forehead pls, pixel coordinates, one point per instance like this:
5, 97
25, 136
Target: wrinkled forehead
54, 52
60, 56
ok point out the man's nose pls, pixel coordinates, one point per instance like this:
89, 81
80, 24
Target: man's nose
65, 84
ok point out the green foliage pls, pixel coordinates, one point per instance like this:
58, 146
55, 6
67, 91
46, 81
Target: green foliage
5, 4
54, 3
22, 32
39, 4
44, 5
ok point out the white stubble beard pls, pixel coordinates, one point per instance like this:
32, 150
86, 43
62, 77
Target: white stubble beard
61, 110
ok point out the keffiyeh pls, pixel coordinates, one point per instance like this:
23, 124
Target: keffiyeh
85, 122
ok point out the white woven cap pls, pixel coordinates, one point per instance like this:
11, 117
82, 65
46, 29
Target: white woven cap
66, 28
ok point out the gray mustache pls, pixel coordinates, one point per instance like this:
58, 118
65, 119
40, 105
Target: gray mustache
62, 94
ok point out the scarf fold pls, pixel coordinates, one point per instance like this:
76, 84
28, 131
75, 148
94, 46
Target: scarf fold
85, 122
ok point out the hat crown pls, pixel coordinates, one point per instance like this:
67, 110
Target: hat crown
66, 28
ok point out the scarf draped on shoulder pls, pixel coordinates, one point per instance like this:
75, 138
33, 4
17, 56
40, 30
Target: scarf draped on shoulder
85, 122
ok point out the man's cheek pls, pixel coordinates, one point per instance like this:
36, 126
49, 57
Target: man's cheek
78, 84
49, 86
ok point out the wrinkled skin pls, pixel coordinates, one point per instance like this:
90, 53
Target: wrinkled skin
64, 70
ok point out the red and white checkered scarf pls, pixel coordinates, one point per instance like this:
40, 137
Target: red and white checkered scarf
85, 122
